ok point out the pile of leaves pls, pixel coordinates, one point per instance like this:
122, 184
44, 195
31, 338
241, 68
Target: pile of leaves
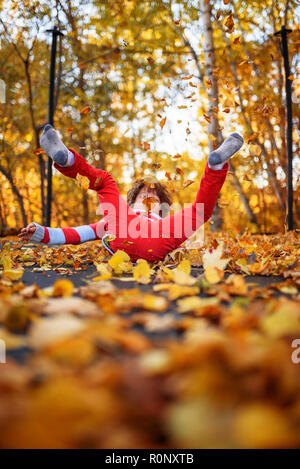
186, 358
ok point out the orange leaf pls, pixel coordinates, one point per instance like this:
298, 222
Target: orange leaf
85, 110
229, 23
252, 137
188, 78
187, 183
146, 146
38, 151
149, 202
162, 122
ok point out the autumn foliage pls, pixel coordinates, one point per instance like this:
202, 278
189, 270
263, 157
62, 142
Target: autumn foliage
148, 88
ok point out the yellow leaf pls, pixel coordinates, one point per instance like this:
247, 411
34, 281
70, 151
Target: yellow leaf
6, 261
284, 321
213, 274
120, 262
63, 287
185, 266
255, 150
102, 268
237, 285
194, 303
155, 303
13, 274
182, 278
242, 263
176, 291
142, 272
82, 182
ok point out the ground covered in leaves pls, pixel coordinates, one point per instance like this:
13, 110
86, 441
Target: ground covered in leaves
192, 352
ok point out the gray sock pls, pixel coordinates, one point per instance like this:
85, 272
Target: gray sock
231, 145
55, 148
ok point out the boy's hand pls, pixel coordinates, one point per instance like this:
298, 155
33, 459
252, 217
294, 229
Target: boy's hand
26, 233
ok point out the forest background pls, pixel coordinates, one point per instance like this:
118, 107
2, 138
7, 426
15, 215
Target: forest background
148, 88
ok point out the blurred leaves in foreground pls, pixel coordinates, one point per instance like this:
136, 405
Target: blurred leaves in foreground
178, 361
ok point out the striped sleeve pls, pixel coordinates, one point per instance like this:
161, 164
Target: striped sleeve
76, 235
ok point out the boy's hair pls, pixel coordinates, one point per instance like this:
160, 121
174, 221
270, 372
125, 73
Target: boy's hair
161, 189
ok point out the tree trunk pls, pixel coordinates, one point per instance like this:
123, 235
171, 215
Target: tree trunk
16, 192
242, 195
213, 92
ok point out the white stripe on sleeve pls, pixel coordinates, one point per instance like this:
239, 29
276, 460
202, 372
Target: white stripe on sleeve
86, 233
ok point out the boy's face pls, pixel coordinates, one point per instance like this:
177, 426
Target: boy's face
147, 199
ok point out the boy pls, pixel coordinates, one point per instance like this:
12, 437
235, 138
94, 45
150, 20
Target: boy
140, 226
